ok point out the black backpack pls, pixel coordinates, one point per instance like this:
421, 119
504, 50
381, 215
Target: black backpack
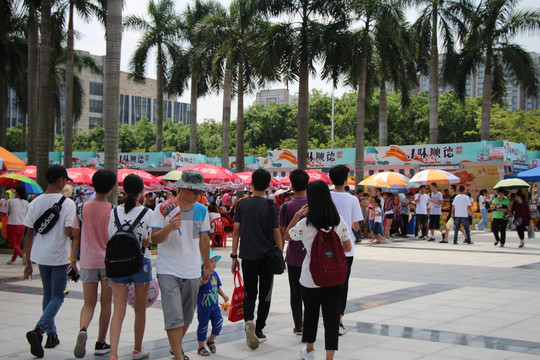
124, 255
49, 218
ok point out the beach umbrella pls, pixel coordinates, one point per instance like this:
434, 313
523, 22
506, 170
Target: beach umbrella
81, 175
511, 184
10, 161
386, 180
30, 171
174, 175
216, 176
11, 181
149, 180
426, 177
246, 179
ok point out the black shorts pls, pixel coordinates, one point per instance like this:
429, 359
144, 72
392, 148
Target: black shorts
434, 222
389, 216
421, 219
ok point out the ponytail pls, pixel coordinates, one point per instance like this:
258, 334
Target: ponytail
133, 186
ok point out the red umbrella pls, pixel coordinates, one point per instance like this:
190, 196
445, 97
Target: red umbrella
216, 176
313, 175
81, 175
31, 171
149, 180
246, 179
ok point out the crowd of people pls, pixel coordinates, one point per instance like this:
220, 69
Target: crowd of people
65, 236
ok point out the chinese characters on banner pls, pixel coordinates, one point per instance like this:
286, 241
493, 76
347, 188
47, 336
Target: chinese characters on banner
432, 154
320, 158
182, 159
133, 160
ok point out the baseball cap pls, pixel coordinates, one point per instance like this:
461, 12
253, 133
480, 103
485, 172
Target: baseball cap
55, 172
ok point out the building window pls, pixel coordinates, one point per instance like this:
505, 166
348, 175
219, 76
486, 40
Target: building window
95, 121
96, 88
96, 106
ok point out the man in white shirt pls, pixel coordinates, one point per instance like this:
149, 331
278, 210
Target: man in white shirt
349, 208
50, 250
421, 200
178, 266
435, 205
460, 214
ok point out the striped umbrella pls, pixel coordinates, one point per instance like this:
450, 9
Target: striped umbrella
386, 179
429, 176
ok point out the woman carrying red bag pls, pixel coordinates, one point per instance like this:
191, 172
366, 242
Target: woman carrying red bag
322, 215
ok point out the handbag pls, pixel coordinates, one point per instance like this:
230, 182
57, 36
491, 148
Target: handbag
49, 218
507, 215
275, 261
518, 221
236, 313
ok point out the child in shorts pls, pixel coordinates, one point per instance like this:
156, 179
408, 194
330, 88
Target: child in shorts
208, 309
377, 214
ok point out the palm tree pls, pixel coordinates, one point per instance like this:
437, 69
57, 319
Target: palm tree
236, 36
487, 43
159, 33
200, 56
435, 16
33, 75
111, 88
84, 8
42, 150
295, 46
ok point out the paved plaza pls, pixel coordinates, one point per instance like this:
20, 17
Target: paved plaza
409, 299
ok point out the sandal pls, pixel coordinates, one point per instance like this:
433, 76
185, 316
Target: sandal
211, 346
201, 351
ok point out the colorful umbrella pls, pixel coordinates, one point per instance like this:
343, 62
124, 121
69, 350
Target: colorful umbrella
511, 184
11, 181
149, 180
429, 176
216, 176
386, 180
10, 161
174, 175
313, 175
81, 175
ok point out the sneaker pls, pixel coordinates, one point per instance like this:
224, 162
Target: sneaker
306, 355
342, 330
80, 346
52, 341
297, 330
143, 354
252, 340
260, 336
34, 339
102, 348
431, 239
476, 227
10, 263
496, 243
443, 242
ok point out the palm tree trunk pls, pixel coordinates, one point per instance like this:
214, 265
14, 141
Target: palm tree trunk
434, 81
52, 120
42, 153
486, 97
303, 114
33, 46
23, 138
159, 105
383, 117
111, 93
226, 119
3, 107
68, 126
240, 126
193, 115
360, 120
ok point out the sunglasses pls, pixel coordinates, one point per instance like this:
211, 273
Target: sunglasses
196, 192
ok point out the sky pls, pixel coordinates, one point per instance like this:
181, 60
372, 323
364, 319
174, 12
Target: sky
92, 39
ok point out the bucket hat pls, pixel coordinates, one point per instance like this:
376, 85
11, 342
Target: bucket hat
192, 179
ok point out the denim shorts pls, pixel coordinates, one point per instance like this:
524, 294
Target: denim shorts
144, 275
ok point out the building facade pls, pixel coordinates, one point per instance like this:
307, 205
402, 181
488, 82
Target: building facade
136, 101
278, 96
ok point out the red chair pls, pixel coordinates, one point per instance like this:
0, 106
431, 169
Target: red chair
228, 228
218, 226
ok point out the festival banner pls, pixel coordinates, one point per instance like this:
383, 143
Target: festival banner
184, 159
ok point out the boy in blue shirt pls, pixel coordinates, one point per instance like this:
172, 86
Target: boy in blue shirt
208, 309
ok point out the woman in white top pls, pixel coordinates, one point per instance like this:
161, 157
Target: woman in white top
127, 213
484, 206
16, 210
322, 214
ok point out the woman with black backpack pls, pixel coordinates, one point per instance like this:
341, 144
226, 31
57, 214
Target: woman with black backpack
128, 216
322, 222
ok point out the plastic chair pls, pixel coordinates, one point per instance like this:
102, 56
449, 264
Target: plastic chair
218, 226
227, 224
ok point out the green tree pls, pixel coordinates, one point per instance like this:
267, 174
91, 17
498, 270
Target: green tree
488, 42
144, 133
293, 47
160, 33
126, 139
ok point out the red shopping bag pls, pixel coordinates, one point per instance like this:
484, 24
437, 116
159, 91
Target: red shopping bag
237, 303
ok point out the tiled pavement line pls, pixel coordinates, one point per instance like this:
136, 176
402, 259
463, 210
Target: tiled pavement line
469, 250
448, 337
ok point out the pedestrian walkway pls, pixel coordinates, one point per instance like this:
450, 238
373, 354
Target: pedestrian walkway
409, 299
